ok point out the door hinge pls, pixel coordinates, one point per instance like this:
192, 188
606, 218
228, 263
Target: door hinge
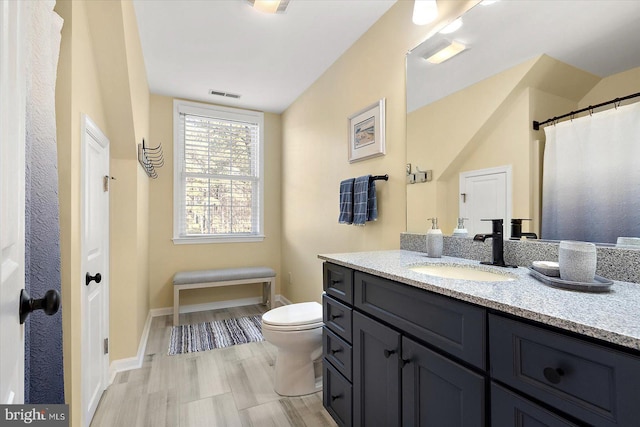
106, 346
105, 183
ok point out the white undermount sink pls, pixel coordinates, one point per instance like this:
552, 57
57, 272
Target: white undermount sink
462, 272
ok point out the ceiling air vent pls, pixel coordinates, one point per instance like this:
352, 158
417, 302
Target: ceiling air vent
225, 94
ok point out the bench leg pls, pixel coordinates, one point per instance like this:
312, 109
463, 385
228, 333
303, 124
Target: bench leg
269, 293
272, 293
176, 306
265, 295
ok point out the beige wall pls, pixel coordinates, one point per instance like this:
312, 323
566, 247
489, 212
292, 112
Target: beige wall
165, 258
315, 151
101, 74
615, 86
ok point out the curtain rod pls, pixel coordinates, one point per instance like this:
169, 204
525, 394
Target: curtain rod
536, 125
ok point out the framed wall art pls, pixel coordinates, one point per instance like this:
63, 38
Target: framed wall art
366, 133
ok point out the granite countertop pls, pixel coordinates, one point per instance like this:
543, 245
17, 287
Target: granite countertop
612, 316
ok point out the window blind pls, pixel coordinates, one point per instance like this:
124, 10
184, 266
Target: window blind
219, 176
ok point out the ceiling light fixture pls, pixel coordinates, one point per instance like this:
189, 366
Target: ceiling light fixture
424, 11
452, 27
270, 6
445, 53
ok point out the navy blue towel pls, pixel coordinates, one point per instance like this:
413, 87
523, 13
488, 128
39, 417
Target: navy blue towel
365, 206
346, 201
372, 202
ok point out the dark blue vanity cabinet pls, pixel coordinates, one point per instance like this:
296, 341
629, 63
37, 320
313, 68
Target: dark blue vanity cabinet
395, 377
395, 354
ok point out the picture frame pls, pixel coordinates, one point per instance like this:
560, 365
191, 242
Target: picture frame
367, 132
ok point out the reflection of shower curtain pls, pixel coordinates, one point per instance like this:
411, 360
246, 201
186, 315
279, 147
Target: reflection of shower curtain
591, 181
44, 381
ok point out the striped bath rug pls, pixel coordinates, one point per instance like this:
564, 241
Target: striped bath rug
217, 334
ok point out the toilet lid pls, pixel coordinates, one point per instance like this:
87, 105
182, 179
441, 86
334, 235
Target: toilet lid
294, 314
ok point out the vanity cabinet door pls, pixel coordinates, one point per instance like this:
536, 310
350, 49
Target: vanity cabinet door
437, 392
509, 409
376, 373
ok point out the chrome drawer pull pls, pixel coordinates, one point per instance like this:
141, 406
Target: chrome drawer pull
553, 375
336, 396
403, 362
335, 282
388, 353
335, 316
336, 350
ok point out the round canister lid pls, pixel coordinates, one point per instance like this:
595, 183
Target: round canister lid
294, 314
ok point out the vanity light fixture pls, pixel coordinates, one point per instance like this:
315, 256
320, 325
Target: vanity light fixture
452, 27
447, 52
488, 2
270, 6
424, 11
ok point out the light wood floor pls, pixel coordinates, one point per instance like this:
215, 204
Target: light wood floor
224, 387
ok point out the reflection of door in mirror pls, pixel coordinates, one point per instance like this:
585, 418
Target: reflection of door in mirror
485, 194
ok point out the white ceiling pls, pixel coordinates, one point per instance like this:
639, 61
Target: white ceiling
598, 36
191, 47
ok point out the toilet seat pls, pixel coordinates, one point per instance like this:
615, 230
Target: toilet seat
291, 328
294, 317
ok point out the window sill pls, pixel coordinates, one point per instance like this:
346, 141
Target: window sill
196, 240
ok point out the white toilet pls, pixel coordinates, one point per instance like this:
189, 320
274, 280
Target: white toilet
296, 330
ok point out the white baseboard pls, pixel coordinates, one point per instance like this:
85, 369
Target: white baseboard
283, 300
135, 362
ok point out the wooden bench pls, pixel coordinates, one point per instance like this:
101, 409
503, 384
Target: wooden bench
224, 277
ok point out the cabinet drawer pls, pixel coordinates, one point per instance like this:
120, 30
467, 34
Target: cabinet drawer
453, 326
338, 282
509, 409
336, 395
337, 317
591, 382
337, 351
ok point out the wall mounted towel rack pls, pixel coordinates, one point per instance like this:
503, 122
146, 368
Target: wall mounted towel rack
150, 158
384, 177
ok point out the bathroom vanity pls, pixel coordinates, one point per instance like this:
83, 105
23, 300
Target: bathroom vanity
406, 348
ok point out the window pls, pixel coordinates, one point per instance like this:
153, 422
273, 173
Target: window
218, 184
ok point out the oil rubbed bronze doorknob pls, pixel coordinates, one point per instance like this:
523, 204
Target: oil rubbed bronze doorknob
50, 303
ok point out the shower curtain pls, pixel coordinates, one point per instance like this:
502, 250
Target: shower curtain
591, 178
44, 380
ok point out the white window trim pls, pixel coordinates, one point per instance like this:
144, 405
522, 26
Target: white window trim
231, 114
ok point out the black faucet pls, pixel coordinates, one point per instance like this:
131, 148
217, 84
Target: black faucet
516, 230
498, 243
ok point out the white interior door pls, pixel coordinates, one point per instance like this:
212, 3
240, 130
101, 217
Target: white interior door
486, 194
12, 188
95, 253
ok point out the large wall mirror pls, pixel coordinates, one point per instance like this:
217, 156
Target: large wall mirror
471, 116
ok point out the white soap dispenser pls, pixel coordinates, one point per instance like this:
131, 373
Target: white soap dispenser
434, 240
460, 231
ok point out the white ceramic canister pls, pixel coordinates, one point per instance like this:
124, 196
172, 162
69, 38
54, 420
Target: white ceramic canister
577, 261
